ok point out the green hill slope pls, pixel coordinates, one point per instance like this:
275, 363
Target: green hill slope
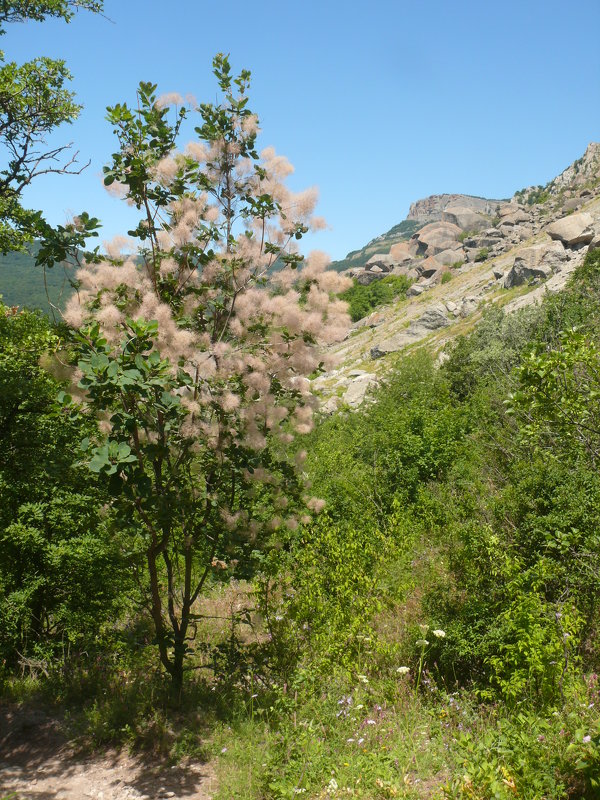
23, 284
381, 244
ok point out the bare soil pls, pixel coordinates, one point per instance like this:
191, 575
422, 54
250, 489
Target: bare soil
37, 762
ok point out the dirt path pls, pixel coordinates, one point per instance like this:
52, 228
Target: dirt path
37, 763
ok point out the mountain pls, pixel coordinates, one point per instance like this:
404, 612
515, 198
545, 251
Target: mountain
430, 209
24, 284
466, 254
399, 233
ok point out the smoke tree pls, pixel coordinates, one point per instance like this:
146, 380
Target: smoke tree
195, 337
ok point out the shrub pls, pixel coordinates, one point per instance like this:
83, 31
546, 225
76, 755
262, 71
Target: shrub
363, 299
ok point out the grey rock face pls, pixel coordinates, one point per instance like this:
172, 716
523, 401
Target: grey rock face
432, 208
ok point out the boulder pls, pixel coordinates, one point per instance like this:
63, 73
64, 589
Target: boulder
383, 261
434, 318
520, 274
401, 252
452, 231
493, 233
330, 406
468, 306
415, 290
465, 218
434, 237
449, 257
535, 263
482, 241
595, 243
438, 241
358, 388
472, 253
433, 278
571, 204
428, 267
507, 210
365, 278
516, 217
573, 230
408, 270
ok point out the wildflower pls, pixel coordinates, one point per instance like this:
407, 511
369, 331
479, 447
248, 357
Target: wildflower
586, 739
362, 678
439, 633
422, 642
424, 629
403, 670
371, 722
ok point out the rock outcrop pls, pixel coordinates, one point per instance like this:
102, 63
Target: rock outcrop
465, 253
430, 209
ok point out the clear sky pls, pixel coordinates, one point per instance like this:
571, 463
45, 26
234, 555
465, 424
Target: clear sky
377, 103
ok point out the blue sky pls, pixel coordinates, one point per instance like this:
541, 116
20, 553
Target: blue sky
378, 103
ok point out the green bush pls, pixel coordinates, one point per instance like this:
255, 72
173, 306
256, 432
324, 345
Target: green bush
363, 299
61, 570
531, 757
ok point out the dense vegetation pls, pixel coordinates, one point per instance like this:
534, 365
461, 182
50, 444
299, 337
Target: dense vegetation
23, 284
167, 579
438, 622
363, 299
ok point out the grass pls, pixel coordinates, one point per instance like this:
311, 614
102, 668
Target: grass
363, 734
375, 739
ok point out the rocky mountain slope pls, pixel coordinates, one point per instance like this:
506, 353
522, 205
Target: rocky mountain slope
465, 254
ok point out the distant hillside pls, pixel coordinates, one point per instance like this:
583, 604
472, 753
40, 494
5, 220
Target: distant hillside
22, 283
381, 244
